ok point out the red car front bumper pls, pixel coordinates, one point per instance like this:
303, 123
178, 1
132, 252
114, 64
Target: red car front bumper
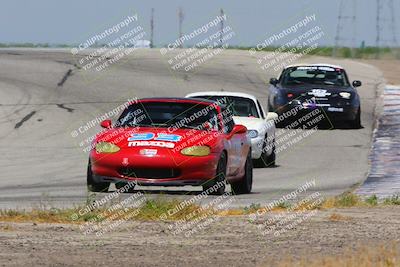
164, 169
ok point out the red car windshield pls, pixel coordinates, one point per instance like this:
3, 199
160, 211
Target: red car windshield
169, 114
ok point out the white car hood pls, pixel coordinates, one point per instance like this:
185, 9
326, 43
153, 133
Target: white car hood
250, 123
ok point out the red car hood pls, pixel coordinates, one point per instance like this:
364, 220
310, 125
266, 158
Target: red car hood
145, 137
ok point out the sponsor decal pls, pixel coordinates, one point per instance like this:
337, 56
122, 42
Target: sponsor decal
316, 68
326, 68
151, 143
315, 105
152, 139
333, 109
148, 152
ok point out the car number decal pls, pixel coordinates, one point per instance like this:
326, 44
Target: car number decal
152, 136
168, 137
319, 93
141, 137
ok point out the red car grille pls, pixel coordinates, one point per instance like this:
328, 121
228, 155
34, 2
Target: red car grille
152, 173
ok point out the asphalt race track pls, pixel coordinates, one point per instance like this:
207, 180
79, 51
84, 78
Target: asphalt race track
44, 97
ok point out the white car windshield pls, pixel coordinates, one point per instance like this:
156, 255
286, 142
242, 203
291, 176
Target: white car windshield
240, 106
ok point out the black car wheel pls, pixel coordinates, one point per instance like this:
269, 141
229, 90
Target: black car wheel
270, 109
272, 157
94, 186
219, 180
266, 160
356, 123
245, 185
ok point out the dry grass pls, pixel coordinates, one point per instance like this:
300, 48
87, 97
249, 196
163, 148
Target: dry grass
151, 210
336, 217
343, 201
47, 216
363, 256
6, 227
160, 209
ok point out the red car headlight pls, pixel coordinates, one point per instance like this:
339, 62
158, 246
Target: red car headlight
196, 151
105, 147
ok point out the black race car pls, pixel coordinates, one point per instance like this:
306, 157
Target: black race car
316, 86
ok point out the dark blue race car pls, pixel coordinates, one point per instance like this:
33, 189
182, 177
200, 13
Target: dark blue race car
316, 86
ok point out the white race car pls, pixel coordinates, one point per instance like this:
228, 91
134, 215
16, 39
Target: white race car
248, 111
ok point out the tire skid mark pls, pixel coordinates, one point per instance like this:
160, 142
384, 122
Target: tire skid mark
24, 119
64, 107
65, 77
13, 54
68, 63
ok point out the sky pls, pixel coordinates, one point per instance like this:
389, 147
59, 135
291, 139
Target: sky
72, 22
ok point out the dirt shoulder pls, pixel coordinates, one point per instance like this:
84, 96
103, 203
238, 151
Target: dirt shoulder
390, 69
232, 241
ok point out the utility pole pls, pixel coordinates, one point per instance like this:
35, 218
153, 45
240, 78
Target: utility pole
385, 25
345, 21
393, 22
152, 28
393, 28
221, 40
354, 20
338, 29
180, 18
378, 27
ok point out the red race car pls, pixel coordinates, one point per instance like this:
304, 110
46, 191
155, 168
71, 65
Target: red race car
172, 142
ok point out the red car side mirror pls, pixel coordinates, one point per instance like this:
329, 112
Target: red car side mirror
239, 129
106, 124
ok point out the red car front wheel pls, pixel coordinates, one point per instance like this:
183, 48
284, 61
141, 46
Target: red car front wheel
245, 185
94, 186
217, 183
